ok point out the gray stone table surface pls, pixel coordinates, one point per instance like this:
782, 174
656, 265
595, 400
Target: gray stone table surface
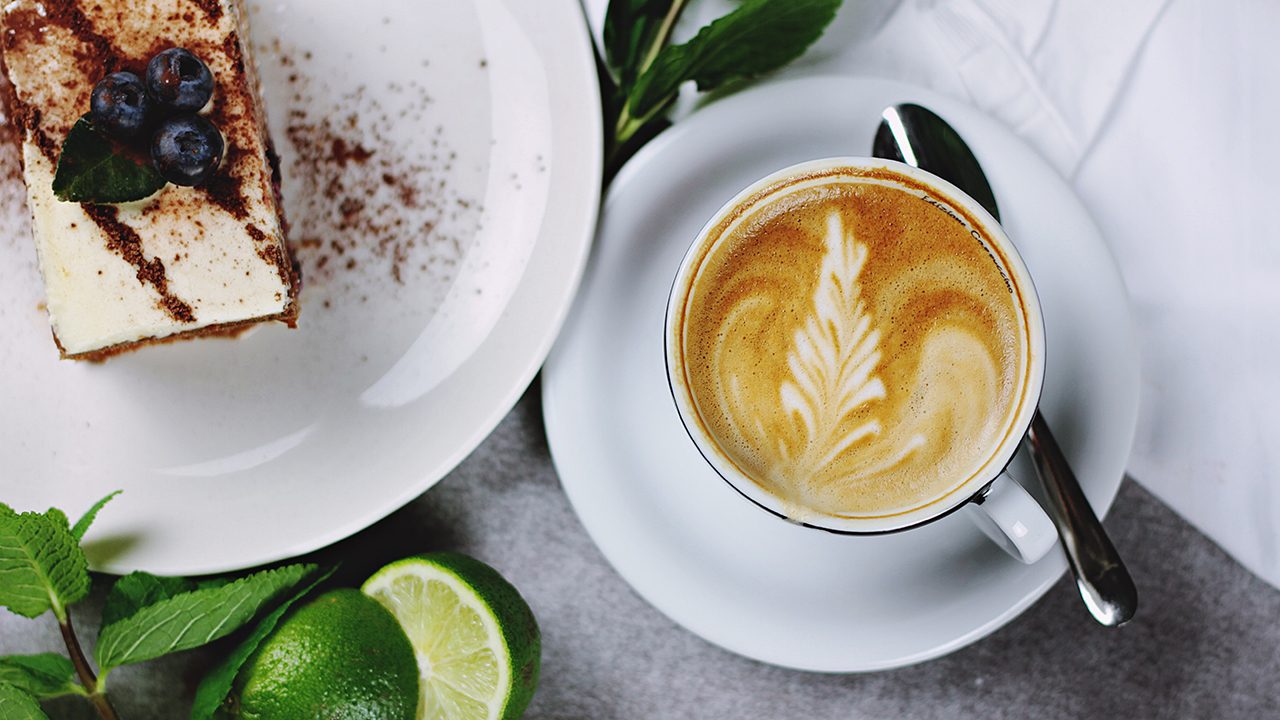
1204, 644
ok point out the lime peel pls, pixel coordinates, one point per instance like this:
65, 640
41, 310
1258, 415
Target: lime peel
340, 656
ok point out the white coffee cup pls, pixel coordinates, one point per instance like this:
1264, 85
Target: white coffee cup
872, 294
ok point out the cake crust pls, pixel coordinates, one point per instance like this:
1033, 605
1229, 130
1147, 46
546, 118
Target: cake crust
185, 262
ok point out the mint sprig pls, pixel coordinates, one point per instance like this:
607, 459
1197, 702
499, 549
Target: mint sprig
634, 31
191, 618
15, 704
41, 676
757, 37
82, 525
217, 683
41, 565
43, 568
93, 168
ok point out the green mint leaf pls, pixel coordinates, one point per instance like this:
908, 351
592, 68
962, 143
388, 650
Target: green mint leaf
139, 590
634, 31
92, 169
216, 685
757, 37
41, 565
191, 619
209, 583
42, 676
18, 705
60, 518
82, 525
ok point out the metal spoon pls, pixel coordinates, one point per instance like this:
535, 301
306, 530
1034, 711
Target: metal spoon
914, 135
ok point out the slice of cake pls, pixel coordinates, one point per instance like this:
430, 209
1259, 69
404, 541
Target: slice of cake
185, 261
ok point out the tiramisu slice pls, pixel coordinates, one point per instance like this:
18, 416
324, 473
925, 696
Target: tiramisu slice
186, 260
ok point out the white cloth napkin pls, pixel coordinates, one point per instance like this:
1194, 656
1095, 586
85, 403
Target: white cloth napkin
1160, 113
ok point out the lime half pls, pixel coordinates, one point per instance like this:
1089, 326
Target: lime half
476, 640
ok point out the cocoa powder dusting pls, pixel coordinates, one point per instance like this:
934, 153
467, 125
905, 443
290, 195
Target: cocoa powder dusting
370, 206
15, 221
212, 10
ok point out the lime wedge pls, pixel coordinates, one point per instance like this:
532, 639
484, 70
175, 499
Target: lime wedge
476, 640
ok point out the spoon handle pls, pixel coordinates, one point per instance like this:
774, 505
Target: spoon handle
1104, 583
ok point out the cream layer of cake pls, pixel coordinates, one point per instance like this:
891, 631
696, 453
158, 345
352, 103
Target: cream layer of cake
188, 260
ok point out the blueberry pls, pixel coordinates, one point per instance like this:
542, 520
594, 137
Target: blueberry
119, 105
177, 79
186, 149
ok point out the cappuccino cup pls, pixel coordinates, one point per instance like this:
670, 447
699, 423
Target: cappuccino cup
855, 345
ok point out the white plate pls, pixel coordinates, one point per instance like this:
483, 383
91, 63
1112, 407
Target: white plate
479, 119
681, 536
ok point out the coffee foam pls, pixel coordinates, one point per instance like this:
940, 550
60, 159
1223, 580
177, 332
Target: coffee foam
852, 347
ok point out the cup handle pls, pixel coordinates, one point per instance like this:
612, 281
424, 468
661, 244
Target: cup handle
1008, 515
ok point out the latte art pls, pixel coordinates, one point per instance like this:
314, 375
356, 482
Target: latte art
852, 347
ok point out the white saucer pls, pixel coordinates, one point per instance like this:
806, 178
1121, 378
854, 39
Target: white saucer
478, 122
689, 543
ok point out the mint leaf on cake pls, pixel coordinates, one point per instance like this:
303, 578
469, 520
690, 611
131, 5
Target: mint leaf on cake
91, 169
126, 115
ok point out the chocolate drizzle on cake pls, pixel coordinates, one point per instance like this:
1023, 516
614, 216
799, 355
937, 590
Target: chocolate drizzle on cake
225, 189
124, 240
48, 147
